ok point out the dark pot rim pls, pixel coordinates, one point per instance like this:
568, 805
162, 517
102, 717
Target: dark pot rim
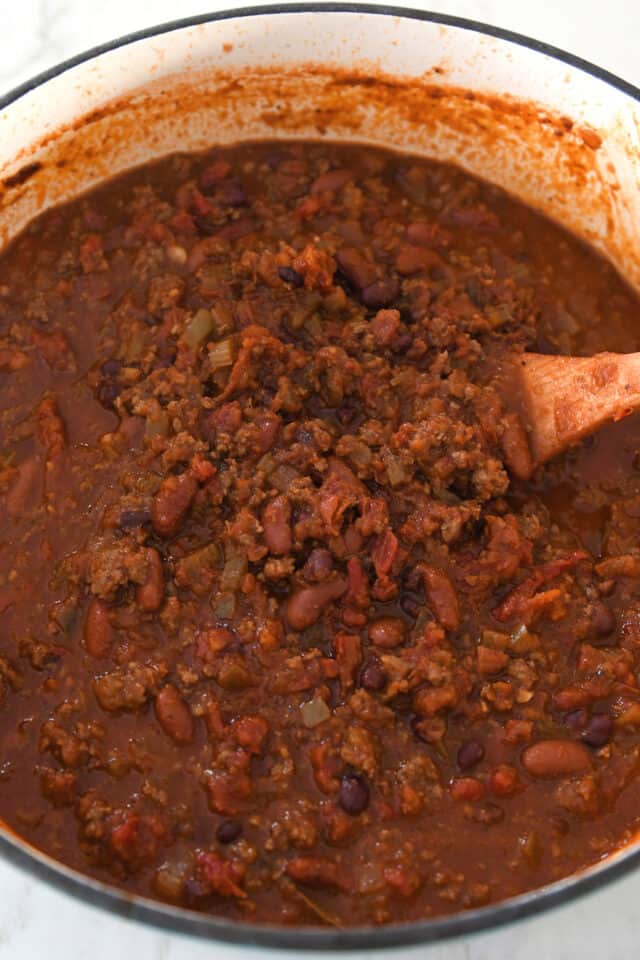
176, 919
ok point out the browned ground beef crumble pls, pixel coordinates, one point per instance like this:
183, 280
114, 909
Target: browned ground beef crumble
282, 637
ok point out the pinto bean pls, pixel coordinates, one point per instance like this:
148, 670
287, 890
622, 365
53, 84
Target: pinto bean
387, 632
98, 632
174, 715
276, 518
172, 502
150, 594
555, 758
305, 606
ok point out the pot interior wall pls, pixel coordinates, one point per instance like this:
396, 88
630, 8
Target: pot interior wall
561, 140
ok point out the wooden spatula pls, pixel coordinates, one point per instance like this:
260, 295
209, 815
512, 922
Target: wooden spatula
562, 399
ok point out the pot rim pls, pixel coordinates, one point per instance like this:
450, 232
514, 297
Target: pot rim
179, 920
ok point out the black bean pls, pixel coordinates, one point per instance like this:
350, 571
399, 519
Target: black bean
319, 565
111, 368
107, 393
598, 730
348, 412
228, 831
373, 677
354, 794
410, 605
289, 275
469, 754
232, 193
577, 719
402, 342
134, 518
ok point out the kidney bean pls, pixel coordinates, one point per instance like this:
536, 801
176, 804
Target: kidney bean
603, 621
469, 754
150, 594
98, 632
174, 715
555, 758
381, 293
305, 605
228, 831
504, 780
359, 272
387, 632
354, 794
332, 180
373, 677
276, 521
598, 730
316, 872
467, 789
172, 502
441, 596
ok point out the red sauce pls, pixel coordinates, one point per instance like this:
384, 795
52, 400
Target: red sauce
283, 638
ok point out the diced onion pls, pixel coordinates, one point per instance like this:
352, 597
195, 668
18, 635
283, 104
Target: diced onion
158, 425
233, 573
314, 712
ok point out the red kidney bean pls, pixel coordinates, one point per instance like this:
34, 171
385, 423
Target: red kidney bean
387, 632
381, 293
555, 758
603, 621
598, 730
228, 831
174, 715
354, 792
359, 272
172, 502
504, 780
305, 606
467, 789
373, 677
469, 754
150, 594
331, 180
98, 632
276, 518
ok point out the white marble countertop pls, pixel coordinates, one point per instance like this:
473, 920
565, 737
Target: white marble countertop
35, 920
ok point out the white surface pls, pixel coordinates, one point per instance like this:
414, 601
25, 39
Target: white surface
34, 920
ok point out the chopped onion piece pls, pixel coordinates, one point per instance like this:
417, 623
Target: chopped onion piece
314, 712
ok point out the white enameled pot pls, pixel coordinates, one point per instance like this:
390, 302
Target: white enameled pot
557, 132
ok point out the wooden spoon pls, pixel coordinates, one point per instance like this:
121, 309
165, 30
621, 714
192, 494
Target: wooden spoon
562, 399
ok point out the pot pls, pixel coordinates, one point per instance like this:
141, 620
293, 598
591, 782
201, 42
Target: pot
564, 139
